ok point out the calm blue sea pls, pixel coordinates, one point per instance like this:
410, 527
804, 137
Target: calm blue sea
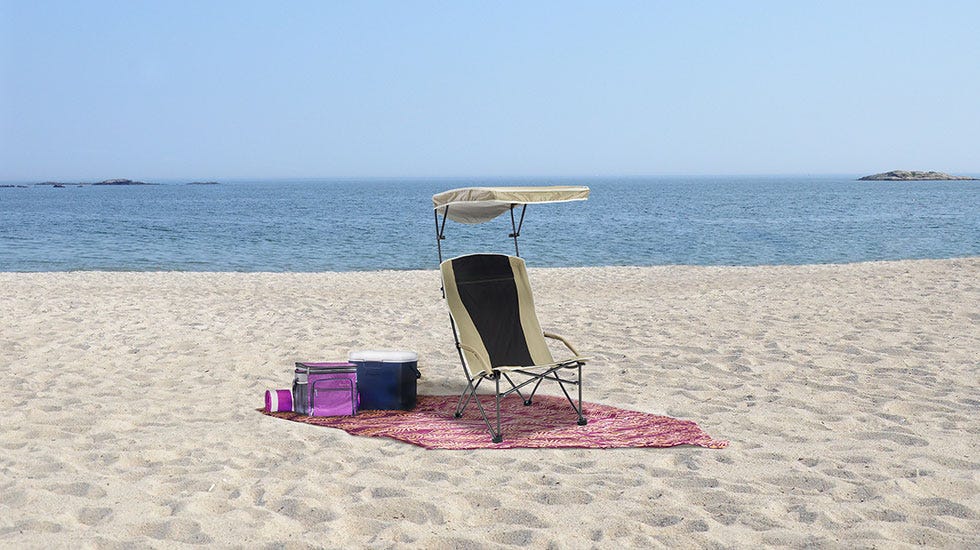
367, 225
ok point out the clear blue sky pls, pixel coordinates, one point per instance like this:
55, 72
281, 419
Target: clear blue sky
235, 89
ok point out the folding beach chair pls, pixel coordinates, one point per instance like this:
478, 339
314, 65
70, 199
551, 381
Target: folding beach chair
498, 335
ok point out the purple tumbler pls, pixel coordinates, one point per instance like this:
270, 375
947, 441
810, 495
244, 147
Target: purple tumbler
278, 400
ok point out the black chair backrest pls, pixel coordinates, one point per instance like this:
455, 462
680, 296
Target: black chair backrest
488, 290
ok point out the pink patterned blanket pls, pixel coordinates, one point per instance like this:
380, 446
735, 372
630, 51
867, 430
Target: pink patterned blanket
548, 423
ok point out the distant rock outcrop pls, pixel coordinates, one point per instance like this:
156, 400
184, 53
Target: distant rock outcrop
117, 181
121, 182
905, 175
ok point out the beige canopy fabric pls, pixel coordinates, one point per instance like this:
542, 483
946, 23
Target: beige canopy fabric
482, 204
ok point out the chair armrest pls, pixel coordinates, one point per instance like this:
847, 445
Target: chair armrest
486, 368
562, 340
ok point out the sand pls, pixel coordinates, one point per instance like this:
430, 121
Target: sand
850, 395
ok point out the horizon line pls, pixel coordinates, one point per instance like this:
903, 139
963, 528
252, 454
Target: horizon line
452, 177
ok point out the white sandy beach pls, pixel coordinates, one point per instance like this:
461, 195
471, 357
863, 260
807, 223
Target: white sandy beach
850, 395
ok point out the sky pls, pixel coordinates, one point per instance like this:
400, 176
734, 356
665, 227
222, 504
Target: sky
175, 89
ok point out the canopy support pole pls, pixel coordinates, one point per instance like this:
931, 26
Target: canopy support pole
440, 235
440, 231
516, 227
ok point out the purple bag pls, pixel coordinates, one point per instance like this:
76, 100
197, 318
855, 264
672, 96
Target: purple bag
331, 388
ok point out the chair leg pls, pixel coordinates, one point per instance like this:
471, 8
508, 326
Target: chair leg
534, 390
582, 421
498, 437
468, 394
526, 400
497, 434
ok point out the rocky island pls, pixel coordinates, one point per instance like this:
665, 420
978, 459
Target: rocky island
122, 182
905, 175
118, 181
103, 182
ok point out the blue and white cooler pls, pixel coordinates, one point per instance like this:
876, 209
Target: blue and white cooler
386, 380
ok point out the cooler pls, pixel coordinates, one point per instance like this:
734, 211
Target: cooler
386, 380
325, 389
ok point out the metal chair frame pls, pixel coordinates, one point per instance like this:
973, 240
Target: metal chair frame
473, 382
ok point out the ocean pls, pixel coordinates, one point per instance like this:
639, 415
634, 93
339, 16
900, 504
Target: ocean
351, 225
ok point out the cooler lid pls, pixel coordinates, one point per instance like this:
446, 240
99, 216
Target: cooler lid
384, 356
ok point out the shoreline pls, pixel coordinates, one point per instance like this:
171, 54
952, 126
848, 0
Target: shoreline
530, 267
848, 393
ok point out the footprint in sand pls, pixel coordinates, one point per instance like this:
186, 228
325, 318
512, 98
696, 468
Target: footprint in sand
78, 489
177, 530
93, 515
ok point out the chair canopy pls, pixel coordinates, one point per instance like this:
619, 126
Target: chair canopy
481, 204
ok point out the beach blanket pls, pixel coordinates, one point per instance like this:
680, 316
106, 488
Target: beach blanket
548, 423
